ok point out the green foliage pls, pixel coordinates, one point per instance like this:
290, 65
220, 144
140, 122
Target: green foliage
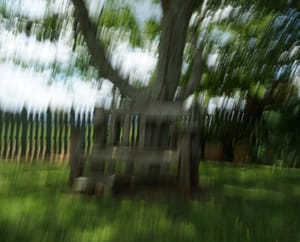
283, 128
50, 28
124, 20
278, 5
152, 29
253, 53
255, 27
47, 28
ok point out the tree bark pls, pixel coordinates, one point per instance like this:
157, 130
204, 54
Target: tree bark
195, 78
175, 21
76, 154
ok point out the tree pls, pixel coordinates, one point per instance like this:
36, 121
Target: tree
174, 26
175, 34
181, 35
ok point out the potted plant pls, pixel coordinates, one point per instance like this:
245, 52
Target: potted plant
241, 145
213, 148
241, 151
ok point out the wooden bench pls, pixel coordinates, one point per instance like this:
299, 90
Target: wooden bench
150, 141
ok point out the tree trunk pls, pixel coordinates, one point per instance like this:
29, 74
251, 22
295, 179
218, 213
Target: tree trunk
76, 153
175, 21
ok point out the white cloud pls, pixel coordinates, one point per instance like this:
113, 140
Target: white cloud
137, 63
34, 9
221, 37
95, 7
212, 59
222, 13
145, 10
19, 87
225, 102
226, 12
29, 50
25, 87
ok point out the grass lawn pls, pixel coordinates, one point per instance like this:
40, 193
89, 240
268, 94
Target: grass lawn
235, 204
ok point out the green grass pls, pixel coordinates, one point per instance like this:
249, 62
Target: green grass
235, 204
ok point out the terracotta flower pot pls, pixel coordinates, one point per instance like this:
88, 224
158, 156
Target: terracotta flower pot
213, 151
241, 153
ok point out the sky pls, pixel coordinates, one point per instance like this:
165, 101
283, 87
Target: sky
39, 89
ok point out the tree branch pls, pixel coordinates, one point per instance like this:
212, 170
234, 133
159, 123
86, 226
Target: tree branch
97, 51
197, 71
173, 36
197, 68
